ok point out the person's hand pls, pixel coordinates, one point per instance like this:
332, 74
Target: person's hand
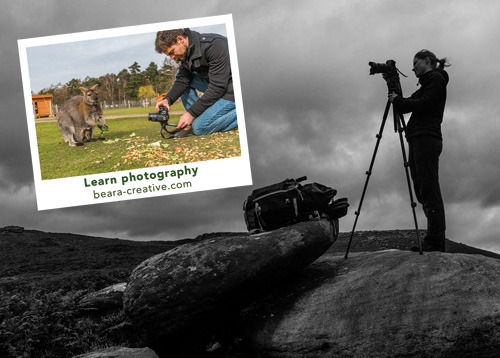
392, 96
162, 103
185, 120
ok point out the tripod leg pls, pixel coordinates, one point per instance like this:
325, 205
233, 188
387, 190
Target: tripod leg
401, 126
368, 174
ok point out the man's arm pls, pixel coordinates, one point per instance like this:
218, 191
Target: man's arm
219, 73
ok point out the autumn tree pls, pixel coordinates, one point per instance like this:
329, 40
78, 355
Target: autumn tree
146, 92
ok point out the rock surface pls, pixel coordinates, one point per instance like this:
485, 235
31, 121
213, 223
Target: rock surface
384, 304
13, 228
174, 290
120, 352
106, 300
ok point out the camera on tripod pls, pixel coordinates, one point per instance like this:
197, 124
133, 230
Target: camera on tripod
387, 67
390, 74
162, 117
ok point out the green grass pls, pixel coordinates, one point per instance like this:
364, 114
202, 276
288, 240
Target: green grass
132, 142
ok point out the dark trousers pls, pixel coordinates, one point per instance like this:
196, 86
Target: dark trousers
423, 160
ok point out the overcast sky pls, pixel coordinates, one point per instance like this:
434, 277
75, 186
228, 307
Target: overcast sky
310, 107
61, 62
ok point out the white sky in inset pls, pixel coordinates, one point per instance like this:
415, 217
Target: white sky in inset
61, 62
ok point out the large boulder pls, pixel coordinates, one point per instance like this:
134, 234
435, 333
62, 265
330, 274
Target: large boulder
383, 304
120, 352
104, 301
178, 289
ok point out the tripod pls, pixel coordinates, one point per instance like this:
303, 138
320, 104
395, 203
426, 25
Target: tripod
390, 74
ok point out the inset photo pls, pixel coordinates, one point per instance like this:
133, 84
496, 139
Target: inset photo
135, 112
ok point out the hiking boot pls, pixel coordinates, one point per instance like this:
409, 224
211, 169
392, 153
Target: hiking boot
431, 244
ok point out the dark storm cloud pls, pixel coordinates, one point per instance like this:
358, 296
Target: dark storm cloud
15, 158
321, 109
473, 165
321, 67
310, 107
162, 218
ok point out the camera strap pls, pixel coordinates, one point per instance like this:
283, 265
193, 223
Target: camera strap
180, 132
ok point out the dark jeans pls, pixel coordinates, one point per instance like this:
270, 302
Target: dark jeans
219, 117
423, 159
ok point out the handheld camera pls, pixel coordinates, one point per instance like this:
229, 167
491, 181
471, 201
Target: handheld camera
162, 117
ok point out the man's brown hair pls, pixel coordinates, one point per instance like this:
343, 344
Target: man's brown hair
167, 38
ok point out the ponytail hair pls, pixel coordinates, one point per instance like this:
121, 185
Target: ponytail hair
435, 62
442, 63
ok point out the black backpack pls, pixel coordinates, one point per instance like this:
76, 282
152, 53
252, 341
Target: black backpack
289, 202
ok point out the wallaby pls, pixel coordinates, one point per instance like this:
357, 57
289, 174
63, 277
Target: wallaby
79, 115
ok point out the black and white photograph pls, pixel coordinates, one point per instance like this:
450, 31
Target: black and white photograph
353, 212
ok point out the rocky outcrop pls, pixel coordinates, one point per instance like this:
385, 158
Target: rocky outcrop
13, 228
120, 352
106, 300
383, 304
177, 289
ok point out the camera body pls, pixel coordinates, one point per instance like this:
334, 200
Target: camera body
387, 67
161, 116
389, 73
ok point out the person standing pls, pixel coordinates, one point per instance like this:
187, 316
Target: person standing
425, 142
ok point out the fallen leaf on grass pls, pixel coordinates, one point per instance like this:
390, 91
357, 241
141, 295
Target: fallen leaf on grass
155, 144
111, 141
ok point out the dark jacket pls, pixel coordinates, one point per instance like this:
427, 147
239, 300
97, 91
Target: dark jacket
426, 104
208, 56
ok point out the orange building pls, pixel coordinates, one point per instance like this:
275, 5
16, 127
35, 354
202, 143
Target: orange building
42, 105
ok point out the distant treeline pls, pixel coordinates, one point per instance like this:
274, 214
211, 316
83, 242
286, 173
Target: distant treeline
129, 84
